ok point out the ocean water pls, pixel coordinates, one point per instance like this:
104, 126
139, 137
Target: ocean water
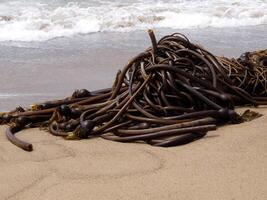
48, 48
40, 20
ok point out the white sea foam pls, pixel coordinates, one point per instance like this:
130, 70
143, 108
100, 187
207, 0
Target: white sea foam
42, 20
12, 95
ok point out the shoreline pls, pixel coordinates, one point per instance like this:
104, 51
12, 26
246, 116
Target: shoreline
229, 163
54, 69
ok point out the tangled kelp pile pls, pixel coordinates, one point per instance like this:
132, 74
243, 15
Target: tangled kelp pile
171, 94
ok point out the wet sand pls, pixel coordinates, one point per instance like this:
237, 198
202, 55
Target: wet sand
229, 163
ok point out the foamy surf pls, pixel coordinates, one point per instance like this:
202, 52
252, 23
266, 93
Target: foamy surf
44, 20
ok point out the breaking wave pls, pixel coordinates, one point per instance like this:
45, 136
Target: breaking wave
39, 20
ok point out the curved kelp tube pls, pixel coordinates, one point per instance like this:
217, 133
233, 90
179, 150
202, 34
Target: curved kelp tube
10, 134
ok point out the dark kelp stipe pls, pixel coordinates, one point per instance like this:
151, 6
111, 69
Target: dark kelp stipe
171, 94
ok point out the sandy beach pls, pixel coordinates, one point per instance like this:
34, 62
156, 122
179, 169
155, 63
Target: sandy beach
229, 163
43, 61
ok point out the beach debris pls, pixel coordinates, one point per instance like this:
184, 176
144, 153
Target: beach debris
171, 94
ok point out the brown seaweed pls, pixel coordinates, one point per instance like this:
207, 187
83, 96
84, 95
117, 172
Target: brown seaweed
171, 94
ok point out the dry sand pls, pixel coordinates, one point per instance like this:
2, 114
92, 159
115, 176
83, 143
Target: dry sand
229, 163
